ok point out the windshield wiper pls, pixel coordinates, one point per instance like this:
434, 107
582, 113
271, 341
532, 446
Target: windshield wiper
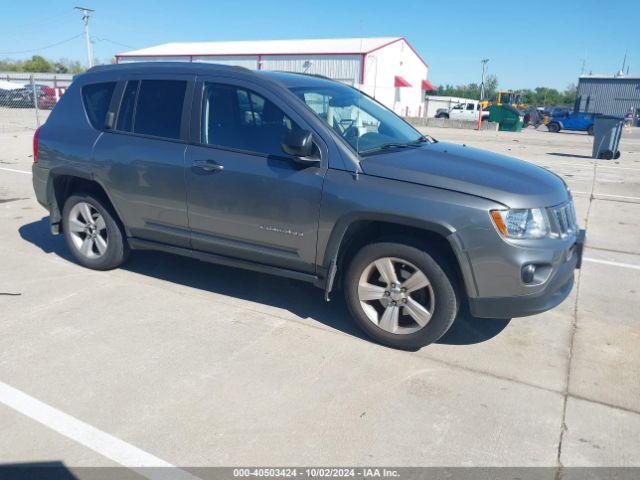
389, 146
386, 146
393, 145
423, 139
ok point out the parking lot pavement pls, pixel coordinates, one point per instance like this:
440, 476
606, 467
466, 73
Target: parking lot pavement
172, 360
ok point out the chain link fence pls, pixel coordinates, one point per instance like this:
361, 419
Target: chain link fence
27, 98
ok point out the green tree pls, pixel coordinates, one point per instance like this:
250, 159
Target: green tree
8, 65
569, 94
471, 90
490, 86
37, 64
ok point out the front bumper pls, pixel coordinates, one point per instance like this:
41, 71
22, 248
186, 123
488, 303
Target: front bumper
555, 291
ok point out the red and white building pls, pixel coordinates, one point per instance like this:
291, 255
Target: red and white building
387, 68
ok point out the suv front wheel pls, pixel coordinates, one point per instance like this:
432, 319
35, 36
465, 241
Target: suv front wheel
400, 295
93, 233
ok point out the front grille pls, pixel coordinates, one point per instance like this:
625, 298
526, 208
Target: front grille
564, 217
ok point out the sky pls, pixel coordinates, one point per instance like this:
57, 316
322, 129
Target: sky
528, 44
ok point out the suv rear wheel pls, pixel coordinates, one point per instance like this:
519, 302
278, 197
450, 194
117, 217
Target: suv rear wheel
92, 232
400, 295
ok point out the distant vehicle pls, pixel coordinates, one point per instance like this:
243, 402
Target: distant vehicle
565, 119
532, 116
46, 96
464, 111
558, 111
14, 95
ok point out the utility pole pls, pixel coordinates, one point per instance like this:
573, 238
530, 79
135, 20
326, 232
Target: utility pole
484, 62
86, 12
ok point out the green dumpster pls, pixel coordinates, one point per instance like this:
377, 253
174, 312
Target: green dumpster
507, 117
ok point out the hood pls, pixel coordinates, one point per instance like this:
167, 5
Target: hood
512, 182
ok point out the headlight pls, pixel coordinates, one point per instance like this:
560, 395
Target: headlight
521, 223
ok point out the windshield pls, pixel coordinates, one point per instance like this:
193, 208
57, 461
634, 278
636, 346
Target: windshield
365, 124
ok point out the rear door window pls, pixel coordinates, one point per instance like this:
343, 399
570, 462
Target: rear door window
96, 98
158, 111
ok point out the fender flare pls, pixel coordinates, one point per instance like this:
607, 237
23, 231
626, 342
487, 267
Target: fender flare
329, 265
340, 228
55, 212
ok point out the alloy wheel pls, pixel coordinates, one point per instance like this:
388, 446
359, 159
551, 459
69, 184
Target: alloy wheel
396, 295
88, 230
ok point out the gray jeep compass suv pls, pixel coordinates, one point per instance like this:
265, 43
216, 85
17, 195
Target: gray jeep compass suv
304, 177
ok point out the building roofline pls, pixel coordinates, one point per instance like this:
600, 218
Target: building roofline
607, 77
391, 40
269, 47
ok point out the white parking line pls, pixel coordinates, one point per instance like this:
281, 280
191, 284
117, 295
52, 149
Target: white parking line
100, 442
590, 165
601, 195
613, 264
16, 171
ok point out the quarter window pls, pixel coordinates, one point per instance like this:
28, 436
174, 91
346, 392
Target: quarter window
158, 110
96, 98
239, 118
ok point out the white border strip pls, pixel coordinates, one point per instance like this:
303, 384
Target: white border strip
602, 195
100, 442
613, 264
14, 170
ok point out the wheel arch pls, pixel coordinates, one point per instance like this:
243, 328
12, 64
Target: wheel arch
62, 183
352, 233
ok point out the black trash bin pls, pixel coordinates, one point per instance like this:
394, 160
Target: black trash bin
607, 131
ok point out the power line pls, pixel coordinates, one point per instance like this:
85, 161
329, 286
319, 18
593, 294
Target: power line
42, 48
98, 39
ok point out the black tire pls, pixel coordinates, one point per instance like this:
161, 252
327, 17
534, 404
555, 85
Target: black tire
442, 279
553, 127
442, 115
590, 130
606, 155
117, 249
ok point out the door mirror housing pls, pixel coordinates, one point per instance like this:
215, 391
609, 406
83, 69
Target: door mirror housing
110, 121
299, 144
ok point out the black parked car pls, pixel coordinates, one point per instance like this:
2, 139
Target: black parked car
15, 96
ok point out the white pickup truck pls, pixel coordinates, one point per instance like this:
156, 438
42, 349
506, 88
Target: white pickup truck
465, 111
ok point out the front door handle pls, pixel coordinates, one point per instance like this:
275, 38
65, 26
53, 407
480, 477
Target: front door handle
208, 165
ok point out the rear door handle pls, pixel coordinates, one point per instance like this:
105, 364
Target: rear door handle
208, 165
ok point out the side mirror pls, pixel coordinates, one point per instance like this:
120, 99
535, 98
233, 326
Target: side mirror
299, 144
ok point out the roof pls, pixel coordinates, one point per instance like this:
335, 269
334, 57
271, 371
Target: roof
175, 66
4, 85
267, 47
607, 77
